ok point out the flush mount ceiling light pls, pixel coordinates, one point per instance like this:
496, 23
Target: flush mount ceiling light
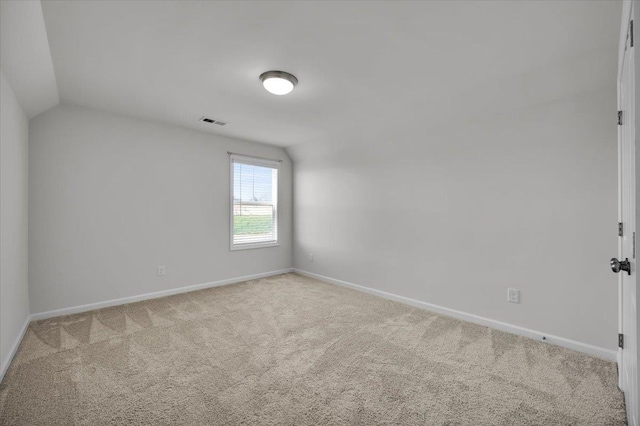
278, 82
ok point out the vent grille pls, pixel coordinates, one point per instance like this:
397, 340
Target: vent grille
212, 121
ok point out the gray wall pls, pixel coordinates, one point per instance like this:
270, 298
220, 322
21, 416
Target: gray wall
455, 214
113, 197
14, 155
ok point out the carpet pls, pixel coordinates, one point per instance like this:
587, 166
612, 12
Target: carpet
292, 350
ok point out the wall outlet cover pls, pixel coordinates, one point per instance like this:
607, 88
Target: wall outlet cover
513, 295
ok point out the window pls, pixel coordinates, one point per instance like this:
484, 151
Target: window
254, 202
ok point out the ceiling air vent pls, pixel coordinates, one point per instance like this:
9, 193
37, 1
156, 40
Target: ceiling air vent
212, 121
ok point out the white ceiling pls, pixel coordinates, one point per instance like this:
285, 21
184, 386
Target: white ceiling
360, 65
25, 58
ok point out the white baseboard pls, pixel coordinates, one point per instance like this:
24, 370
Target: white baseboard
14, 348
514, 329
154, 295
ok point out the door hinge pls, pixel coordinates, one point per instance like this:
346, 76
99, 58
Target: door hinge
621, 340
634, 245
631, 31
619, 229
619, 118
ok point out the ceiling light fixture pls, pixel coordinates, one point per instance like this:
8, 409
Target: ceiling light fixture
278, 82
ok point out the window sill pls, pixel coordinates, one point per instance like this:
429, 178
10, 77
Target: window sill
236, 247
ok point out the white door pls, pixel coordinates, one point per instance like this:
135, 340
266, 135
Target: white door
626, 266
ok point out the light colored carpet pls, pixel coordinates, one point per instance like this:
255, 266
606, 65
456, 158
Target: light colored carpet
290, 350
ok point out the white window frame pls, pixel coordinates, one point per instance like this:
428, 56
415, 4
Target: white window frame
261, 162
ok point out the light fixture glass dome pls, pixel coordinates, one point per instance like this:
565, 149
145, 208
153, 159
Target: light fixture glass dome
278, 82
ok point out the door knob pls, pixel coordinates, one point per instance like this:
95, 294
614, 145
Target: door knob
617, 266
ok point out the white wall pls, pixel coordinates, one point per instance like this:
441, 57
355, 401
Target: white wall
113, 197
14, 155
455, 214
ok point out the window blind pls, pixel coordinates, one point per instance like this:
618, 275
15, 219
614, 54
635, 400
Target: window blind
254, 206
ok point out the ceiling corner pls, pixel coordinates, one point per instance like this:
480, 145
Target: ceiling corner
25, 56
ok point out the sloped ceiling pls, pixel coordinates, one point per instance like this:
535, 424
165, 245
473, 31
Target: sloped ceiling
363, 67
25, 58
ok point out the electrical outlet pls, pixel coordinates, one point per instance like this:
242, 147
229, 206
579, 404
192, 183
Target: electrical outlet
161, 271
310, 257
513, 295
